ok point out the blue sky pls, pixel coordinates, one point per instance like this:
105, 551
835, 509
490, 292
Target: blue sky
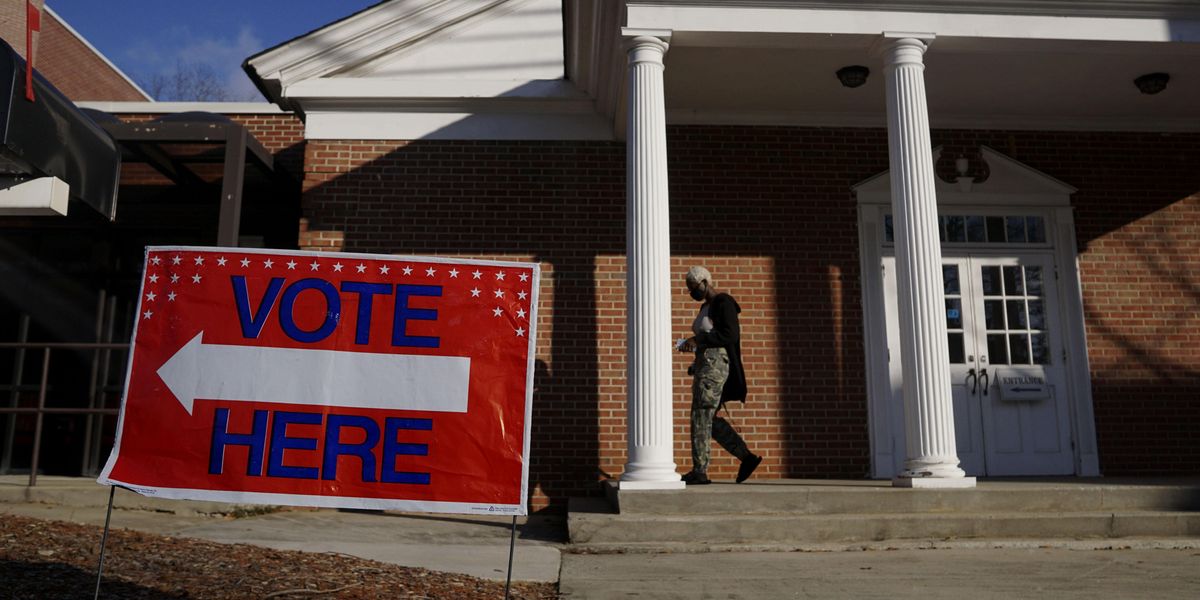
144, 37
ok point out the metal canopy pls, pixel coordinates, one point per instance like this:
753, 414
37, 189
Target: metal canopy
50, 137
157, 143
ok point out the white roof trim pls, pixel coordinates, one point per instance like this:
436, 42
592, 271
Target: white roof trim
801, 19
97, 52
225, 108
1091, 8
383, 28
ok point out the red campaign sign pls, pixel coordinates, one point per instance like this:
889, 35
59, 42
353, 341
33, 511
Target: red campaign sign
339, 380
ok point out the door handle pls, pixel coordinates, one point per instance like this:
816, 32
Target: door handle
983, 377
974, 379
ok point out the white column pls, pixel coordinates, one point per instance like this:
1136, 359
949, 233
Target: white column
651, 462
932, 460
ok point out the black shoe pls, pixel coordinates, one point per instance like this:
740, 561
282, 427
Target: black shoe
748, 467
694, 478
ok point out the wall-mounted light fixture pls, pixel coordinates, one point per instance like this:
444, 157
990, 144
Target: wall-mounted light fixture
853, 76
1152, 83
961, 164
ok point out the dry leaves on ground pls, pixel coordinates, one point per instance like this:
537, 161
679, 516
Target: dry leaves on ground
51, 559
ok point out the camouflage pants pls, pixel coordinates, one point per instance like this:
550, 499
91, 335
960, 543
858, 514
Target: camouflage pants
710, 371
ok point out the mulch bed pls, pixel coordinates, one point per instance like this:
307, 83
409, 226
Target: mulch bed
52, 559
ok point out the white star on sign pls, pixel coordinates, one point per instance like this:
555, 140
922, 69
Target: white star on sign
171, 297
522, 295
199, 260
361, 268
268, 263
524, 276
520, 332
245, 262
156, 260
500, 276
315, 265
453, 273
407, 270
174, 278
384, 270
147, 314
476, 274
291, 265
496, 311
475, 293
521, 313
499, 293
430, 271
154, 279
151, 296
196, 278
176, 260
337, 267
221, 261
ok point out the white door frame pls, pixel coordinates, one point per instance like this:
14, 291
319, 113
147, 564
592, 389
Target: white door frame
1011, 187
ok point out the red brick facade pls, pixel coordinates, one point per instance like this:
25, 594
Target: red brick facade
771, 212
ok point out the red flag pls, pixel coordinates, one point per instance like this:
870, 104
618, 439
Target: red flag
33, 23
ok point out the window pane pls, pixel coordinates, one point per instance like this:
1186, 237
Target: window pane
1013, 284
888, 236
995, 229
1033, 280
1041, 348
950, 279
956, 229
991, 281
1016, 315
1037, 230
941, 228
993, 314
1016, 229
953, 313
976, 230
997, 349
957, 354
1037, 316
1019, 348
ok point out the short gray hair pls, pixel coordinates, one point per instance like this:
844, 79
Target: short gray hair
698, 274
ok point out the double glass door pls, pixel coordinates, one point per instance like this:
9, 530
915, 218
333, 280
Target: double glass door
1005, 356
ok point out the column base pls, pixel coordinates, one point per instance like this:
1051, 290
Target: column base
650, 485
934, 482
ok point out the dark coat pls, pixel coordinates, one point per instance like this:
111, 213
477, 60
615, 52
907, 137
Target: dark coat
727, 334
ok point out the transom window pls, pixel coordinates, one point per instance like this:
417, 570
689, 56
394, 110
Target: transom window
983, 229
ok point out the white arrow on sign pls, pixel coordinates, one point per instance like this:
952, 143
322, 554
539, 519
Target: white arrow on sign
316, 377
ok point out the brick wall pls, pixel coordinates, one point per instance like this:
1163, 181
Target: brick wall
770, 211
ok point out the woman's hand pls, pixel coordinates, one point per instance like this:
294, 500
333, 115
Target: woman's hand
688, 345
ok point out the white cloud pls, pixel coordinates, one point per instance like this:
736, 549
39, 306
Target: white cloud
180, 45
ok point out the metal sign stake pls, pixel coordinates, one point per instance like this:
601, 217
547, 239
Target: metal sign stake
112, 489
512, 544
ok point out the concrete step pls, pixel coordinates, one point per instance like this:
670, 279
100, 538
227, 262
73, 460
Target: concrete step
599, 528
807, 497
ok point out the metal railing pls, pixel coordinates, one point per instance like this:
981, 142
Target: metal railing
41, 410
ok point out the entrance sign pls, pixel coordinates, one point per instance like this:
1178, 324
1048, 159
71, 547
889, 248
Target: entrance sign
1022, 386
330, 379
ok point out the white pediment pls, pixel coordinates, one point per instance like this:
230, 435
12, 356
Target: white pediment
1007, 181
408, 46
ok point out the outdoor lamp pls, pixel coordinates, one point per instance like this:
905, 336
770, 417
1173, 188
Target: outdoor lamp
1152, 83
853, 76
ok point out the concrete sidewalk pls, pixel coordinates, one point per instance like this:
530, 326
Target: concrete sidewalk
471, 545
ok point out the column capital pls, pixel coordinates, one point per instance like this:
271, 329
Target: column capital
646, 44
904, 48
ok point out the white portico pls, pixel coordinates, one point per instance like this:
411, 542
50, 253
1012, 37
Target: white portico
773, 63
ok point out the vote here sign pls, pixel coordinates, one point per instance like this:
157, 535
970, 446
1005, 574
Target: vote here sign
340, 380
